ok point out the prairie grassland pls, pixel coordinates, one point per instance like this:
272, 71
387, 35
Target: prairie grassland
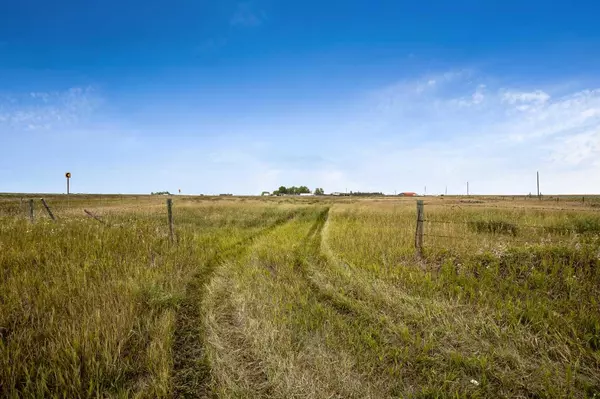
88, 310
300, 297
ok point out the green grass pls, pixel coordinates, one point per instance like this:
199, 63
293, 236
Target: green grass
299, 297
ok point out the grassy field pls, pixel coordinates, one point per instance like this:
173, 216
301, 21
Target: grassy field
300, 297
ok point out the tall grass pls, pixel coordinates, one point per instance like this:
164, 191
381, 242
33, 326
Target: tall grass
285, 297
88, 310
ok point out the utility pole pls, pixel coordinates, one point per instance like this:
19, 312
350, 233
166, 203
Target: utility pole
538, 185
467, 188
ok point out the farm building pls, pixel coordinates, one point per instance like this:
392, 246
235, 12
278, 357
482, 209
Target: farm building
408, 194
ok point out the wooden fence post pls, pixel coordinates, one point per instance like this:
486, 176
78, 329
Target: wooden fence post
48, 209
31, 210
170, 214
90, 214
419, 232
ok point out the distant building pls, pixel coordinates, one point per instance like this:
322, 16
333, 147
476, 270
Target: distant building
306, 194
408, 194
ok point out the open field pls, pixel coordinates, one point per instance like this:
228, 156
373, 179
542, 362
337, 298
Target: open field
300, 297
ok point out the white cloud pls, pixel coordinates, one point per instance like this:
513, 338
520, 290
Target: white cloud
438, 130
246, 16
577, 149
515, 97
474, 99
44, 110
477, 130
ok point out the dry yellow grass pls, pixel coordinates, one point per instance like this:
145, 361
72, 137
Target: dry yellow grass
285, 297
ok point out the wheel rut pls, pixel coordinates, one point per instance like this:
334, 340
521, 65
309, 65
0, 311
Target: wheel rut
192, 371
309, 255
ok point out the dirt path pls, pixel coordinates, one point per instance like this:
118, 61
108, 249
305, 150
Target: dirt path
191, 368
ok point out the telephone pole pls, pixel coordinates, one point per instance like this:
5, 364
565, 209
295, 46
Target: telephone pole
538, 185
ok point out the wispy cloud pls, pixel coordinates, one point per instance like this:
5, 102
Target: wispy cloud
44, 110
246, 15
435, 131
516, 97
496, 136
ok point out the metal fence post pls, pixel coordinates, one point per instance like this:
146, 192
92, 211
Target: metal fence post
419, 231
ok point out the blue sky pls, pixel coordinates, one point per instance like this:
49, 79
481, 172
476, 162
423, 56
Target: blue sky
241, 97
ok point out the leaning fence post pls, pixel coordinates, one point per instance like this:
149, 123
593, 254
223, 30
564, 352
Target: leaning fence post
170, 213
48, 209
419, 232
31, 210
90, 214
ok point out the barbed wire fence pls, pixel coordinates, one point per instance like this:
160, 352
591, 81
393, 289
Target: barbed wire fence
434, 230
102, 209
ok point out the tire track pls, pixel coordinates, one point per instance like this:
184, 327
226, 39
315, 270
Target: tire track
310, 248
353, 310
191, 371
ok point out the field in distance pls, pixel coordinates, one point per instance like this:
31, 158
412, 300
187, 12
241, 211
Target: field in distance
314, 297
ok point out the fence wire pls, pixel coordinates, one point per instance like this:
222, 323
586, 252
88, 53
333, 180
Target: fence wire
492, 231
520, 208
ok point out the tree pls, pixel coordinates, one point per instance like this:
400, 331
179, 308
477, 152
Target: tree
293, 190
319, 191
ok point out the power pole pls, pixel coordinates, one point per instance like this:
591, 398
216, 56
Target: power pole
538, 185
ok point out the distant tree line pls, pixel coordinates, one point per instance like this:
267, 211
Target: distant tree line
161, 193
283, 190
293, 190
